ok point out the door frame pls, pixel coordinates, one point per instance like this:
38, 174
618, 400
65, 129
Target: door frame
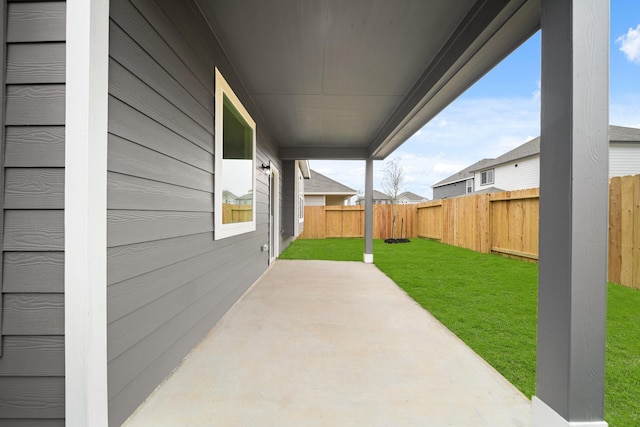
274, 213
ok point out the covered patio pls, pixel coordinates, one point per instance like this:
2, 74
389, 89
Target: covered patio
147, 85
318, 343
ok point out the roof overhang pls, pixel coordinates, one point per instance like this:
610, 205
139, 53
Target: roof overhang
305, 169
452, 182
354, 79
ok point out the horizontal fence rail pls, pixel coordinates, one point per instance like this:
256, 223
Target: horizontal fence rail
504, 223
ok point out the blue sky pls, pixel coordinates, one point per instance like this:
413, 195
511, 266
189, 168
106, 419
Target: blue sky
502, 111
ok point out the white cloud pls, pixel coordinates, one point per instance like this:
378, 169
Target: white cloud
324, 171
448, 168
630, 44
536, 93
625, 111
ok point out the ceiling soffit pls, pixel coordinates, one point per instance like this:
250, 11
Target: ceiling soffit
347, 76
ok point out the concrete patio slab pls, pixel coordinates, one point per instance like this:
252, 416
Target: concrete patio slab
321, 343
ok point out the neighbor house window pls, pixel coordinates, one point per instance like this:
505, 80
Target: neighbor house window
469, 186
486, 177
235, 148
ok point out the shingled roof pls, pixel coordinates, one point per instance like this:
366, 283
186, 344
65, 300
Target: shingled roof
321, 184
624, 134
464, 174
412, 196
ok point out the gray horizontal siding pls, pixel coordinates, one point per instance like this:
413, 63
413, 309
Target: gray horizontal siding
450, 190
32, 303
129, 261
34, 146
129, 123
135, 226
130, 158
32, 272
33, 314
35, 105
121, 83
155, 44
34, 230
39, 422
32, 397
36, 62
32, 356
169, 281
36, 22
124, 50
34, 188
132, 192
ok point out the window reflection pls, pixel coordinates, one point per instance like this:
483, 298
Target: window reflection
237, 194
237, 167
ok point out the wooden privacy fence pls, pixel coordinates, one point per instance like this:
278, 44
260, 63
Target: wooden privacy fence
322, 222
504, 223
236, 213
624, 231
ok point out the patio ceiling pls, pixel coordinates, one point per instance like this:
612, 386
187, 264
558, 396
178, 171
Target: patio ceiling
353, 79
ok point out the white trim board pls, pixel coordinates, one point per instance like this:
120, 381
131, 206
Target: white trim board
85, 215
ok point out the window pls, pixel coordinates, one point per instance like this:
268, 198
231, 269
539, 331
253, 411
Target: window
235, 148
469, 186
486, 177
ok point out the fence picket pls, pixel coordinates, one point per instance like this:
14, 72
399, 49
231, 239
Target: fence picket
635, 262
615, 230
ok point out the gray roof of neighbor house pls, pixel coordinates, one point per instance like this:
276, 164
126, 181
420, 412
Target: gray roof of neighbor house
624, 134
489, 190
321, 184
528, 149
379, 195
532, 148
411, 196
463, 174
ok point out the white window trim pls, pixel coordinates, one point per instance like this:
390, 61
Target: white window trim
488, 182
221, 230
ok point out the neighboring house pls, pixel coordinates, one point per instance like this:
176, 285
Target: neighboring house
409, 198
125, 121
379, 198
320, 190
457, 184
520, 167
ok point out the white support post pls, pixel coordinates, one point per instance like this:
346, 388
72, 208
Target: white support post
368, 212
85, 217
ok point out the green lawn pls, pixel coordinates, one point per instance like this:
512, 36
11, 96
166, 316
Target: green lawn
490, 302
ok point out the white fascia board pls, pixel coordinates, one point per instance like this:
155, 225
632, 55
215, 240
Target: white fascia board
451, 182
85, 215
305, 169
